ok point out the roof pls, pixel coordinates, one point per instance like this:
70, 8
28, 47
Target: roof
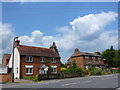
7, 56
37, 51
86, 54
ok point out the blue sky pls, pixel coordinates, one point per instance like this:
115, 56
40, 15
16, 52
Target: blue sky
49, 18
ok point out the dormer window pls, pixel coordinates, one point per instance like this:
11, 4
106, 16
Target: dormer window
53, 60
42, 59
29, 59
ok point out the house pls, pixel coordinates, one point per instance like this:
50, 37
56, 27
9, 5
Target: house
32, 61
4, 70
86, 59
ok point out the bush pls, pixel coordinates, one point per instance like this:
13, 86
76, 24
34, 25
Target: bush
85, 72
104, 73
63, 69
95, 71
31, 78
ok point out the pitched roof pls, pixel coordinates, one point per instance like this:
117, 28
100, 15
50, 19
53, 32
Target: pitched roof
36, 51
85, 54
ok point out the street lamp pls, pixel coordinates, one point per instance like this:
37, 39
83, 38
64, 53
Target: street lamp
12, 71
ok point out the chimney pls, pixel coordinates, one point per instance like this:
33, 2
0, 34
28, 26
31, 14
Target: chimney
54, 48
96, 52
76, 51
16, 42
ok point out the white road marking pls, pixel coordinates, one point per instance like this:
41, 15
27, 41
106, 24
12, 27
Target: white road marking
74, 83
109, 78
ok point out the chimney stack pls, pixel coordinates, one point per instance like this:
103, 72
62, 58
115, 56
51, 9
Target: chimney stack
76, 51
96, 52
16, 42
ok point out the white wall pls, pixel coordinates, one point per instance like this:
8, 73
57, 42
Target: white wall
3, 70
16, 63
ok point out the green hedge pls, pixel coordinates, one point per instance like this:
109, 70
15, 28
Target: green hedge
95, 71
31, 78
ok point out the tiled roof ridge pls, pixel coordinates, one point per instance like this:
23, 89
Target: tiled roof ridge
34, 47
7, 54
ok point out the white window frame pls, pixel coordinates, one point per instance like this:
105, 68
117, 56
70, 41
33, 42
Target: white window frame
29, 67
99, 59
30, 59
93, 59
87, 59
55, 71
53, 60
42, 59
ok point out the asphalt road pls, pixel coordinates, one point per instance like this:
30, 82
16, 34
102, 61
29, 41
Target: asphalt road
106, 81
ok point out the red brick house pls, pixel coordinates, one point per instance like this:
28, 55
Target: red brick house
85, 59
32, 61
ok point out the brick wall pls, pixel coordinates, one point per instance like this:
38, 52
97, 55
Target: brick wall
5, 77
79, 60
36, 65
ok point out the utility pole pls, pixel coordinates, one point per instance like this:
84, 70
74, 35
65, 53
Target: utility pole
12, 71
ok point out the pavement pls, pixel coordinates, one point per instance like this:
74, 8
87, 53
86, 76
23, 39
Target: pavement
105, 81
22, 81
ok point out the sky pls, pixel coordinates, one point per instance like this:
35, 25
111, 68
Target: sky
88, 26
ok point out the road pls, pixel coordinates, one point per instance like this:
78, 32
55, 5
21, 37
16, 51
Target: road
105, 81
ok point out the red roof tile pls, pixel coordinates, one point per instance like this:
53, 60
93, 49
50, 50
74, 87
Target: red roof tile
36, 51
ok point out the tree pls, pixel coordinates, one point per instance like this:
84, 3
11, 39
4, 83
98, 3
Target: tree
74, 64
112, 57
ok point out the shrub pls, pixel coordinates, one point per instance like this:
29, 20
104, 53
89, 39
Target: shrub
85, 72
31, 78
63, 69
95, 71
104, 73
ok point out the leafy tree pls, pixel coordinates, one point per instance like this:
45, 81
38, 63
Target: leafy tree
112, 57
74, 65
74, 68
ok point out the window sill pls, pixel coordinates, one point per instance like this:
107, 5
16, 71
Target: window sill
29, 62
29, 73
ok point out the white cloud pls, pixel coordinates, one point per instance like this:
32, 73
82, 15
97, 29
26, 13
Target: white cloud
87, 34
6, 39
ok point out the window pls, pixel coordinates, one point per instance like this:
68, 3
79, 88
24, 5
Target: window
53, 60
42, 59
87, 59
17, 70
53, 69
29, 59
99, 59
93, 59
29, 69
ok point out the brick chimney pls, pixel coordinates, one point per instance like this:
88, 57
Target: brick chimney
76, 51
16, 42
96, 52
